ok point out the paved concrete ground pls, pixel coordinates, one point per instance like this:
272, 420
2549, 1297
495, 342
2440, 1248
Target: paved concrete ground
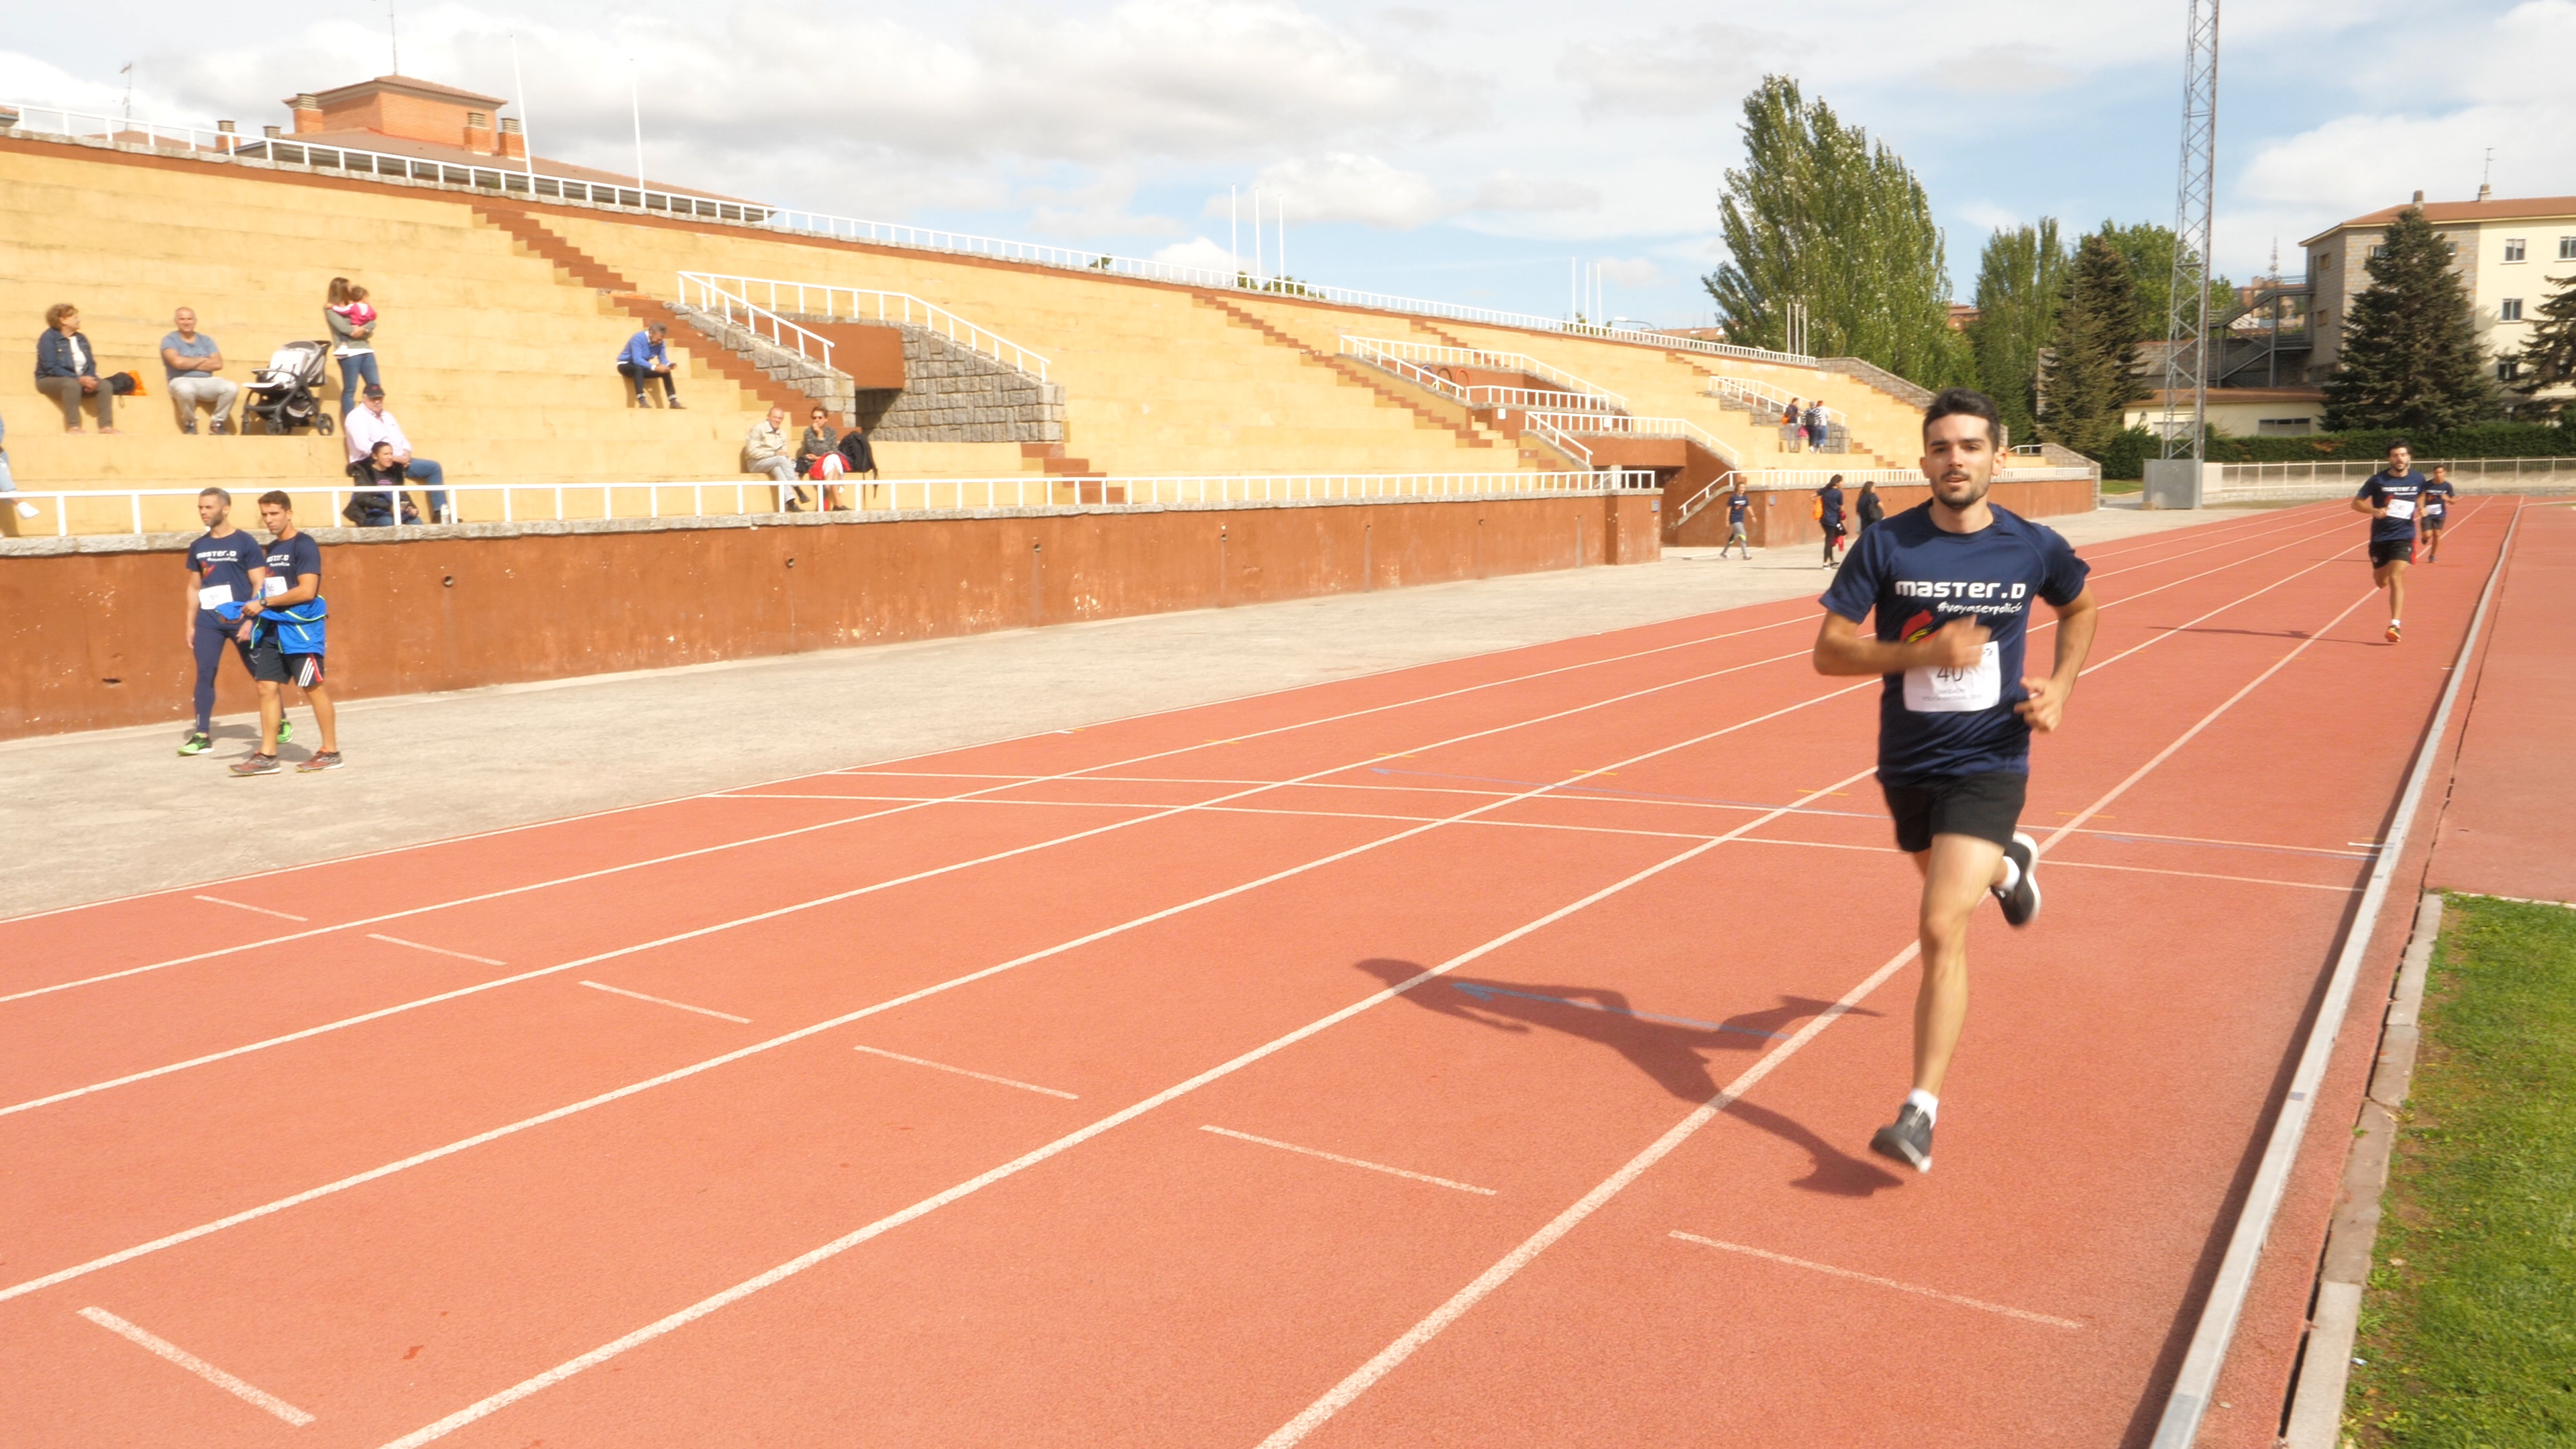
112, 812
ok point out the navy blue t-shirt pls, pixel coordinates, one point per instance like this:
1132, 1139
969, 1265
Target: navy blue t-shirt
1738, 505
222, 566
1832, 498
2402, 494
1916, 578
2437, 501
289, 559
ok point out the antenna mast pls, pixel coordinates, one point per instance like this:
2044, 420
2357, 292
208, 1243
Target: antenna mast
2187, 314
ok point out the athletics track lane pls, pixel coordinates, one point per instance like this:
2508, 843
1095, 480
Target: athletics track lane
1321, 905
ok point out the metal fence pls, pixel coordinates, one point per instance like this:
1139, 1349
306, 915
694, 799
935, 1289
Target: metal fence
2271, 482
815, 299
95, 512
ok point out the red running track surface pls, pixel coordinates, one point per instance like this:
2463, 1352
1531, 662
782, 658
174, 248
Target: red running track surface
2505, 831
1475, 1053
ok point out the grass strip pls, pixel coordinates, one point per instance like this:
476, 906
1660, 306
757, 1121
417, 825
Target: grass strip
2468, 1332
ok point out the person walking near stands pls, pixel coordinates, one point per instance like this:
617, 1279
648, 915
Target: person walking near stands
647, 357
225, 567
1829, 516
1739, 512
2391, 496
1790, 429
1867, 506
286, 647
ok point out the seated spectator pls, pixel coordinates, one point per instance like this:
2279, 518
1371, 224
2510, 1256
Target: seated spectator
765, 451
858, 459
371, 425
66, 372
377, 495
818, 455
647, 357
189, 360
8, 483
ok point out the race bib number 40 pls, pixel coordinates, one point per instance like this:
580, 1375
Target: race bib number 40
1957, 691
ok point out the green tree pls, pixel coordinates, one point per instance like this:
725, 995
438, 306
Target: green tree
1823, 216
2410, 357
2020, 281
2149, 249
2092, 369
2549, 358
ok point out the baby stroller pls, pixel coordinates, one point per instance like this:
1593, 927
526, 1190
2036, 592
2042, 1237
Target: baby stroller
282, 394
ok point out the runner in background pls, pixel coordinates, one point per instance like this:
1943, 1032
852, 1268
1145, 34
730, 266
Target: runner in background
2391, 497
1739, 512
1951, 583
1829, 515
2437, 512
294, 583
225, 567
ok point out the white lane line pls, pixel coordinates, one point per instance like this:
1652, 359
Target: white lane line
660, 1001
2296, 885
1349, 1161
434, 950
684, 1317
1959, 1298
1388, 1359
963, 1072
195, 1365
236, 905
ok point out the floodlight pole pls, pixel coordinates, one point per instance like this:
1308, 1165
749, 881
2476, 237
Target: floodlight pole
635, 99
2187, 309
527, 143
1233, 237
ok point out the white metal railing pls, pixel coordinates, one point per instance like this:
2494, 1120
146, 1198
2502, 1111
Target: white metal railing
1807, 480
811, 299
2256, 481
1501, 399
1718, 487
1749, 392
1431, 355
91, 512
1559, 439
706, 294
518, 179
1623, 425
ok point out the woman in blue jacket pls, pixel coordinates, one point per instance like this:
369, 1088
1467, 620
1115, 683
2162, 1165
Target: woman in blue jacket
67, 372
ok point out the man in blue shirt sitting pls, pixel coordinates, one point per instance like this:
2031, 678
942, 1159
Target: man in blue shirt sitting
1951, 582
647, 357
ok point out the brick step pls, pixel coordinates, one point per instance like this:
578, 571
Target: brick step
1471, 433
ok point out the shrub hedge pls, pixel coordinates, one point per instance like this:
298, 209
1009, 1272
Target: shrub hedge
2127, 453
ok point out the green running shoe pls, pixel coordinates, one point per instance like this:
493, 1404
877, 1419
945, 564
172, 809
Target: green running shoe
196, 744
285, 729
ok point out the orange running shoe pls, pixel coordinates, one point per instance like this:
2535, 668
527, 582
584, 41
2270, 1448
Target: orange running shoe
2392, 633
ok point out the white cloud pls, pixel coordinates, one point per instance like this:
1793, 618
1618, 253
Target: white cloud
1342, 186
1677, 73
1631, 272
1201, 252
1504, 191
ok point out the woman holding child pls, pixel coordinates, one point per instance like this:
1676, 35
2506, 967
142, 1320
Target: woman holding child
353, 328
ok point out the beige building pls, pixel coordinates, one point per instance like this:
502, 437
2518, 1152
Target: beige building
2513, 255
2237, 412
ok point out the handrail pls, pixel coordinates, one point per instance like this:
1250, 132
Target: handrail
929, 314
1501, 399
1723, 386
701, 291
1905, 477
1723, 483
521, 178
1622, 424
1563, 443
562, 502
1432, 352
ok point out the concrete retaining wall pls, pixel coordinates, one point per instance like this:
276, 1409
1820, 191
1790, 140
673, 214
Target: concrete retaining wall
91, 626
1781, 515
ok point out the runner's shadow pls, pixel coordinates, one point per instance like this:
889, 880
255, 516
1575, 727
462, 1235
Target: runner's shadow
1667, 1049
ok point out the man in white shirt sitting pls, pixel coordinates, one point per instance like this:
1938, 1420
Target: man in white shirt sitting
371, 424
189, 361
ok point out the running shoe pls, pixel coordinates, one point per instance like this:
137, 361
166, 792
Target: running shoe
257, 765
1908, 1139
196, 744
2021, 901
322, 760
285, 729
2392, 633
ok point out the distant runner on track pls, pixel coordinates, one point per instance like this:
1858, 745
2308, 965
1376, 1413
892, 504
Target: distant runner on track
2391, 497
2437, 512
1951, 582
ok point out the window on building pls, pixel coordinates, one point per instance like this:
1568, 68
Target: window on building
2513, 249
2283, 427
2379, 251
2507, 369
2567, 249
2509, 310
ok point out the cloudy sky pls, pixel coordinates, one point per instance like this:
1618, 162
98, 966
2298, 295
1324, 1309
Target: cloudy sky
1440, 150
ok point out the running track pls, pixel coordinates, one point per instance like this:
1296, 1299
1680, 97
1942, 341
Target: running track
1479, 1053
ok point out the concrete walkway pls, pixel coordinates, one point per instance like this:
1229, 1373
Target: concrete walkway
114, 812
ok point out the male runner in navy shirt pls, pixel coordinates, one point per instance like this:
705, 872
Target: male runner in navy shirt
1739, 509
1952, 581
2437, 512
294, 578
1829, 514
2391, 497
225, 567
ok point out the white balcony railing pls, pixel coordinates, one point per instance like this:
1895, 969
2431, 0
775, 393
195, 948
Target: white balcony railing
1432, 356
710, 294
854, 304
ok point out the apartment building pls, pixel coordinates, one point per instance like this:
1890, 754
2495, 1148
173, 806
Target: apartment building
2512, 254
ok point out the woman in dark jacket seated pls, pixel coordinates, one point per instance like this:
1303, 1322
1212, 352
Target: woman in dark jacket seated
857, 458
379, 482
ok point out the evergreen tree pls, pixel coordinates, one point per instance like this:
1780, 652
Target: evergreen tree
1821, 215
2020, 280
2549, 358
2092, 369
2149, 249
2410, 355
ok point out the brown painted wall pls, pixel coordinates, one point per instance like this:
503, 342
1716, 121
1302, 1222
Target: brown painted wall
95, 640
1782, 516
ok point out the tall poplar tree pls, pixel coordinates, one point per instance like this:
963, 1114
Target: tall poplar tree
2020, 281
2548, 357
1822, 215
2092, 368
2411, 357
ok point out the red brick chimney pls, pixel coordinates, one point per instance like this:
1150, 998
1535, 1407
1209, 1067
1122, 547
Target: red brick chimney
308, 112
478, 132
514, 142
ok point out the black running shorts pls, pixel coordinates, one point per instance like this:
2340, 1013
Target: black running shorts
2395, 550
271, 665
1985, 806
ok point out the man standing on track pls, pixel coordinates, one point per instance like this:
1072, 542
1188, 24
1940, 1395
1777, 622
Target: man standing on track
225, 567
294, 586
2437, 512
1829, 515
1739, 509
1951, 582
2391, 497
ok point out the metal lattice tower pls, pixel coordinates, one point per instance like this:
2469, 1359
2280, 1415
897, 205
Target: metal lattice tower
2187, 315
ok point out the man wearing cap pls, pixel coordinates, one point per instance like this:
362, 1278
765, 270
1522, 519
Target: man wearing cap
370, 424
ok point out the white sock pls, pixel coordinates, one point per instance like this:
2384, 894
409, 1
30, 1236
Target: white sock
1930, 1104
2012, 875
